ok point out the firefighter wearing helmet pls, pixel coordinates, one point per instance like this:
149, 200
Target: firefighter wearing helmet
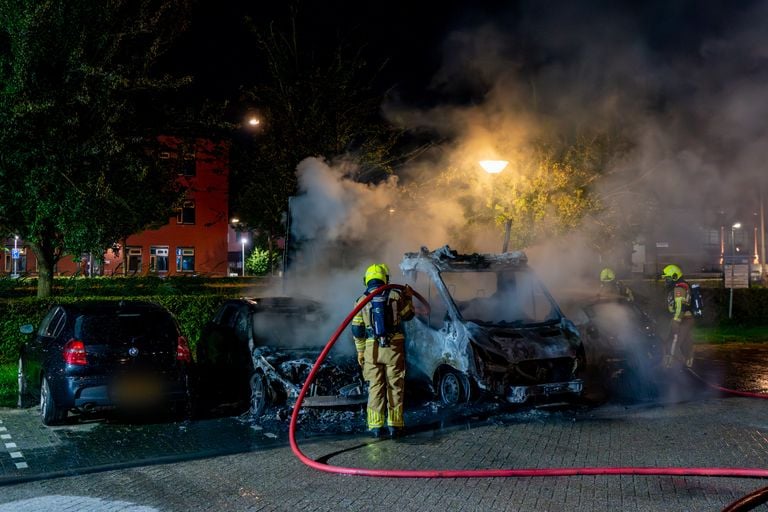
609, 285
380, 343
679, 305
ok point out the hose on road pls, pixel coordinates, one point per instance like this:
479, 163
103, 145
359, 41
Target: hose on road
487, 473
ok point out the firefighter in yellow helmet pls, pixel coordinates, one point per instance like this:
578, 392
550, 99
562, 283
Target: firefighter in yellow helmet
380, 343
679, 305
609, 284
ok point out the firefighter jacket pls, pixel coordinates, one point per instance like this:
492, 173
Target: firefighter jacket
679, 301
399, 309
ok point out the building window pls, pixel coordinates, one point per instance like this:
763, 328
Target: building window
185, 259
188, 162
134, 259
712, 237
186, 214
21, 260
158, 258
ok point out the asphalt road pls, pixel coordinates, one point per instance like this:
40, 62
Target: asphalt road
237, 463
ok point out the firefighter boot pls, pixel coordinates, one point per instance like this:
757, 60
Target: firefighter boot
378, 432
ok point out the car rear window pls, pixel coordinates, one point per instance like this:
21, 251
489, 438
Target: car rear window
117, 327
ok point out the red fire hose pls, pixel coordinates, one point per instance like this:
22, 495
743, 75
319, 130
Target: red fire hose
485, 473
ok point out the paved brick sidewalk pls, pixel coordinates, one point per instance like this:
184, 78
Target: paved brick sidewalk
710, 432
701, 431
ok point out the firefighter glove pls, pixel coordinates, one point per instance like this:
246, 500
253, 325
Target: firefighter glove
361, 359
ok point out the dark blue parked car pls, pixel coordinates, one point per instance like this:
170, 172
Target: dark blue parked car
106, 354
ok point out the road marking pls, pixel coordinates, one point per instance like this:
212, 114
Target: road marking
11, 445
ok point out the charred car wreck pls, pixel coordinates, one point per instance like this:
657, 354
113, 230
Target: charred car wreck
492, 329
258, 352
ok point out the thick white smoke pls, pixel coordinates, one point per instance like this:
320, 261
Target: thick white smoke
691, 103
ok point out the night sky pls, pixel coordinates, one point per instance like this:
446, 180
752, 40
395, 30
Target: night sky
414, 38
685, 79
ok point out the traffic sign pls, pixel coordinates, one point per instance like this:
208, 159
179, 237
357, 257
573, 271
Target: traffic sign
736, 276
15, 254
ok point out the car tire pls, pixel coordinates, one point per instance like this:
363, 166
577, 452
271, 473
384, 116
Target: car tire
50, 413
452, 388
259, 394
23, 396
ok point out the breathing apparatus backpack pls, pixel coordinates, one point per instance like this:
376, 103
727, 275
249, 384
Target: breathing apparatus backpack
381, 319
697, 302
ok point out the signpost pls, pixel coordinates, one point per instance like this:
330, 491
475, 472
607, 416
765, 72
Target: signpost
736, 275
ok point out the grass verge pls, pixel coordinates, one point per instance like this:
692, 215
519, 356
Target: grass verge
8, 384
731, 334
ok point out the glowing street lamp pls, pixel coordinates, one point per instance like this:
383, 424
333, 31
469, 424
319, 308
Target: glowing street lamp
495, 167
254, 121
243, 240
735, 226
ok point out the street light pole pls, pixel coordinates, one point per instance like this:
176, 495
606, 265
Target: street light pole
495, 167
734, 227
242, 243
15, 255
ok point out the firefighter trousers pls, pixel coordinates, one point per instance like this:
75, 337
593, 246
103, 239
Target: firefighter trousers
384, 369
680, 340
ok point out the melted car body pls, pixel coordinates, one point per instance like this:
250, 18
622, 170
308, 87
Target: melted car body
259, 351
622, 344
491, 328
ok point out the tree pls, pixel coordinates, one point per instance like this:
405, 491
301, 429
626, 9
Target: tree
78, 170
313, 102
546, 193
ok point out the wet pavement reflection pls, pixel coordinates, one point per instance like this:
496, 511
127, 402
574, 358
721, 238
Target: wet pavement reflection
96, 443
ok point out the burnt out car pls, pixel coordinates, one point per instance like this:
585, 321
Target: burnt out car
492, 329
622, 344
257, 352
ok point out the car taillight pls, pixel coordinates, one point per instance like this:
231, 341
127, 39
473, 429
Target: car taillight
182, 350
74, 353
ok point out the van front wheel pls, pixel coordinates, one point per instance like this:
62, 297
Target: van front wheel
452, 388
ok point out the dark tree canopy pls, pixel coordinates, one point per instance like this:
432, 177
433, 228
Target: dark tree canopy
312, 102
77, 170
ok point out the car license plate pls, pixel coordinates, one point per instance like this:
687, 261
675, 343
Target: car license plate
136, 390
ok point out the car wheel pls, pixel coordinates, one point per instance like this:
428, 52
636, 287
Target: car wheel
451, 388
50, 413
259, 394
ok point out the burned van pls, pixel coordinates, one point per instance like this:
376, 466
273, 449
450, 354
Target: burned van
491, 328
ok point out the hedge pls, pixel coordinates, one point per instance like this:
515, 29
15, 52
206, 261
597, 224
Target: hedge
750, 305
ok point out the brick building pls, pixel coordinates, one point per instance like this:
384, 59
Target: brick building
192, 242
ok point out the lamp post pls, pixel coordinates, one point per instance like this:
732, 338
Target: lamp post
234, 232
242, 244
734, 227
15, 255
495, 167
